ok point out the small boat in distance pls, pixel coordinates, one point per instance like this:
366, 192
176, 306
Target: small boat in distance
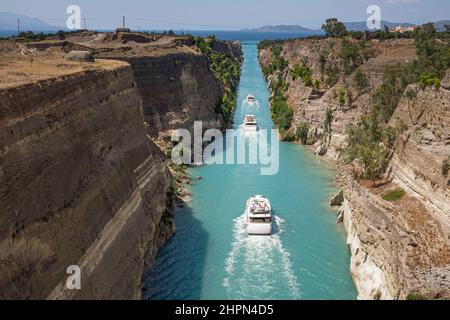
259, 216
250, 123
251, 99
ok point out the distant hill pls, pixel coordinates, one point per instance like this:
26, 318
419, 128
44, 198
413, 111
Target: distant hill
8, 22
282, 28
362, 25
440, 25
351, 26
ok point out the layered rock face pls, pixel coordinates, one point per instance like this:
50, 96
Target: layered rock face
81, 184
400, 247
310, 104
423, 149
175, 81
177, 90
82, 181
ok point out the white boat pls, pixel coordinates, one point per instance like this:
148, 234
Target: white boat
259, 216
250, 123
251, 99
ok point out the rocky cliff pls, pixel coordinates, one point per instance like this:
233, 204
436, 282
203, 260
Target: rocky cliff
175, 81
398, 247
82, 181
81, 184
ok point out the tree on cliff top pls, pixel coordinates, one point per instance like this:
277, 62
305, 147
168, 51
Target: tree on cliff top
334, 28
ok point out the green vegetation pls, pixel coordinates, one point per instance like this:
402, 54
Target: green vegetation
226, 70
361, 80
350, 54
282, 115
341, 97
205, 45
427, 81
394, 195
278, 63
304, 73
354, 53
332, 75
323, 62
445, 168
334, 28
370, 143
416, 296
302, 133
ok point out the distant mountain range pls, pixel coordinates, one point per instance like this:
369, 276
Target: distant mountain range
8, 22
351, 26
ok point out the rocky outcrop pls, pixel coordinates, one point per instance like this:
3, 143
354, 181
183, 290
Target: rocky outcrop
369, 279
423, 148
322, 57
81, 56
337, 199
397, 248
177, 90
175, 81
81, 184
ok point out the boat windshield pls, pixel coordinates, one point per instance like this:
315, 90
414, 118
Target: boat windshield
260, 220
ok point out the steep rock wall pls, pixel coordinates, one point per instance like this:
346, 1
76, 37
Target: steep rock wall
397, 248
177, 90
81, 184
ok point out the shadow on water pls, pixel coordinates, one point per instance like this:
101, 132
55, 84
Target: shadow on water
178, 270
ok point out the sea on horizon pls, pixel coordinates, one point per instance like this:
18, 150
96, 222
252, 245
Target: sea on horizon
221, 35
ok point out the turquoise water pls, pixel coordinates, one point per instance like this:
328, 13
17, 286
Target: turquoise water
212, 257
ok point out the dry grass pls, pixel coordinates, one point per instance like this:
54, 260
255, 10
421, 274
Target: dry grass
16, 69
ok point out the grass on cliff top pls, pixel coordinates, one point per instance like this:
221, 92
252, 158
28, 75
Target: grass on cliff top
394, 195
416, 296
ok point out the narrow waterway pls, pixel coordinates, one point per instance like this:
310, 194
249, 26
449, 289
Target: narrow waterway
212, 257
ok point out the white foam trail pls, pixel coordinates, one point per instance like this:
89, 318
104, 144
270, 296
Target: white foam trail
261, 258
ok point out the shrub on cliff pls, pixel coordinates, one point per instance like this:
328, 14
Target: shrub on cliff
205, 44
282, 115
332, 75
341, 98
393, 195
361, 80
427, 81
416, 296
387, 96
371, 144
226, 70
364, 143
302, 72
302, 133
334, 28
445, 168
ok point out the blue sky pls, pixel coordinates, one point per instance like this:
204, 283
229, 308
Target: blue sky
223, 14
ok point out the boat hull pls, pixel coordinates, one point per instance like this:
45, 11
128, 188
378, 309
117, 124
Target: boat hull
250, 128
259, 229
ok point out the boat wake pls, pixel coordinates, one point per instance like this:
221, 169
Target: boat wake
252, 263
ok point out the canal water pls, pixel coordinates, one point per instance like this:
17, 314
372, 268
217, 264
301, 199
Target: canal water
212, 257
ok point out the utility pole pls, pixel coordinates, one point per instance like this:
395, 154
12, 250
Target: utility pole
18, 27
123, 22
85, 24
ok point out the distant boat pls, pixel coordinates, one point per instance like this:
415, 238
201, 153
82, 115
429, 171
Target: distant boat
259, 216
250, 123
251, 99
